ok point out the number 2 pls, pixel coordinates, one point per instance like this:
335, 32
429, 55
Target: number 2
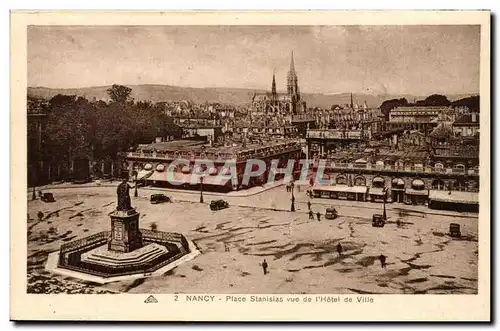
176, 298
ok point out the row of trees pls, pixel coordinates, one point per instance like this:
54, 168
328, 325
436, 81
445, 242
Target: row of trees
79, 129
431, 101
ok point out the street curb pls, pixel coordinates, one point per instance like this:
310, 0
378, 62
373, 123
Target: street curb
214, 194
208, 193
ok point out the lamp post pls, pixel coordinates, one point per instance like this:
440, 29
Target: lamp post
136, 194
385, 199
292, 208
201, 189
135, 174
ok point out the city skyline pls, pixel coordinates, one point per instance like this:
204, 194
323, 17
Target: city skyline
378, 60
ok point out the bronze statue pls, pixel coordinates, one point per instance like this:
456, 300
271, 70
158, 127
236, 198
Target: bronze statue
123, 196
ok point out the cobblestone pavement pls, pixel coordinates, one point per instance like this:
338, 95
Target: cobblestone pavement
302, 256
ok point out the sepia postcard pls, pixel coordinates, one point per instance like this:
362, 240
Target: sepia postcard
250, 166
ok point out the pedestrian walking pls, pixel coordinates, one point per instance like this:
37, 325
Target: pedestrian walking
339, 249
318, 215
309, 205
287, 188
382, 259
264, 266
311, 215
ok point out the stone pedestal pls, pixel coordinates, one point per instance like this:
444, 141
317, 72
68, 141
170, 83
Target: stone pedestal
125, 233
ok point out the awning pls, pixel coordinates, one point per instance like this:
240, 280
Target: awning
361, 161
143, 174
148, 166
160, 167
341, 188
376, 191
398, 182
418, 183
378, 180
410, 191
470, 198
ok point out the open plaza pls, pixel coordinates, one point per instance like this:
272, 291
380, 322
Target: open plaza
301, 253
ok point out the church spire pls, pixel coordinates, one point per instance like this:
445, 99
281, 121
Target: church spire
352, 104
273, 87
274, 95
292, 81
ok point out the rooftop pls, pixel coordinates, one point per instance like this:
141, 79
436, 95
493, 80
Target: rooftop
416, 108
168, 145
201, 146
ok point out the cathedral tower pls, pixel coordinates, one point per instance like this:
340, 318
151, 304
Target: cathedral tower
274, 95
292, 87
292, 80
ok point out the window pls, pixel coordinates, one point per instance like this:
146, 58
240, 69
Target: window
341, 179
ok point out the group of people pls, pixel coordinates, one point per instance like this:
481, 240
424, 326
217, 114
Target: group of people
311, 213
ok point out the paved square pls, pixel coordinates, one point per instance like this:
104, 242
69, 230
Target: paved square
301, 253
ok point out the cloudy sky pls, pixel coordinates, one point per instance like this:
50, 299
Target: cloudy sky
416, 60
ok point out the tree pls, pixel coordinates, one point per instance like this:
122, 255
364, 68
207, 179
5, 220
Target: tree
69, 130
388, 105
470, 102
437, 100
119, 93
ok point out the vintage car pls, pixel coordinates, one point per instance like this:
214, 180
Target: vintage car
81, 180
218, 205
455, 230
378, 221
331, 213
159, 198
47, 197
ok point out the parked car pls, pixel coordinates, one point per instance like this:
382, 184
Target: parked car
331, 213
455, 230
218, 205
159, 198
81, 180
47, 197
378, 221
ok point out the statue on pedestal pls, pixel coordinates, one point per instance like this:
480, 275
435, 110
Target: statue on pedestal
123, 193
125, 232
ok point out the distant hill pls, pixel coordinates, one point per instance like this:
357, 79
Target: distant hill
238, 96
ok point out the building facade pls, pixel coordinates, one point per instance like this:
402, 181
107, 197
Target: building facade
273, 102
